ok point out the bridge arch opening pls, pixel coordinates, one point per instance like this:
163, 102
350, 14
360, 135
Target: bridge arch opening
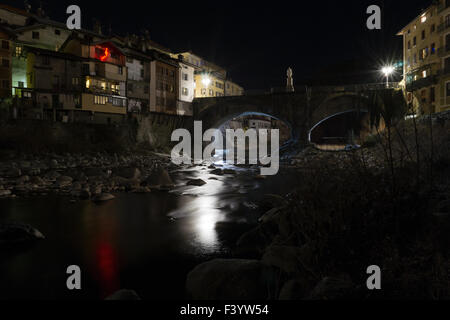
253, 120
341, 129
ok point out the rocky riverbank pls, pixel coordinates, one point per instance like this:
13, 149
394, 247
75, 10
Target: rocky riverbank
83, 176
347, 213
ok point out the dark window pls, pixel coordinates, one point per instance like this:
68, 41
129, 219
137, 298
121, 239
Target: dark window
46, 60
5, 84
447, 65
414, 41
130, 87
448, 89
5, 63
5, 44
35, 35
432, 95
120, 70
423, 34
57, 32
433, 28
142, 73
85, 68
433, 48
146, 89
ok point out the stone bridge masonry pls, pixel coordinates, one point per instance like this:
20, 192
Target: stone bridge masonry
301, 109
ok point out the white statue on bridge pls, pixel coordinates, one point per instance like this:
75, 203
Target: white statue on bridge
290, 80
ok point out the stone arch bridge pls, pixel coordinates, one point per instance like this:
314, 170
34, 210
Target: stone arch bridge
301, 109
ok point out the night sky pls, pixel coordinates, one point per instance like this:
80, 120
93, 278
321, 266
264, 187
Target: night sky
256, 40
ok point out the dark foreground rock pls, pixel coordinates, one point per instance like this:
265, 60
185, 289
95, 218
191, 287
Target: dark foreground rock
232, 279
17, 234
124, 294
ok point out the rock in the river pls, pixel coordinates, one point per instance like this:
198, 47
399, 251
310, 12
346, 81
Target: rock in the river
160, 180
227, 279
217, 172
229, 171
123, 294
196, 182
85, 193
142, 189
103, 197
5, 193
22, 179
13, 173
128, 173
63, 181
15, 233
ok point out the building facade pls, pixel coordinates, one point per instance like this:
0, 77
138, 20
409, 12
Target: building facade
138, 81
104, 76
164, 84
233, 89
6, 47
186, 88
426, 59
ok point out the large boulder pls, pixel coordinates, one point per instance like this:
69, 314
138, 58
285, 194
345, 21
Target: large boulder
128, 173
64, 181
223, 279
296, 261
123, 294
103, 197
196, 182
15, 234
160, 179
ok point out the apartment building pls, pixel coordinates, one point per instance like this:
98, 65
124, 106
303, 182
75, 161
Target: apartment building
426, 57
6, 47
233, 89
138, 81
104, 75
210, 79
164, 84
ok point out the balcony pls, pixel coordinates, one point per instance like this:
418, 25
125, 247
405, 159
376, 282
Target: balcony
421, 83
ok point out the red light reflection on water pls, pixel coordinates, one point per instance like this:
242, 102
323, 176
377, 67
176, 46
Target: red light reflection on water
106, 262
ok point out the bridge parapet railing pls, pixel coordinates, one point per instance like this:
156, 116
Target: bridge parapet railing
342, 88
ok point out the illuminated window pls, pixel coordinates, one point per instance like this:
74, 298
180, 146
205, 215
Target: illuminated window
185, 91
424, 74
18, 51
88, 83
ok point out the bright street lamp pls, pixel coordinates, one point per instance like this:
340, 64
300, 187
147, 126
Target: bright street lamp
387, 71
206, 81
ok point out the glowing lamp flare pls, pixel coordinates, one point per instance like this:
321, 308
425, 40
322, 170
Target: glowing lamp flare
105, 55
206, 81
387, 70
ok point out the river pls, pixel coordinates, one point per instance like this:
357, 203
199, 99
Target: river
144, 242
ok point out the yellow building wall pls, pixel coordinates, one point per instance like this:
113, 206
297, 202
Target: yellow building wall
214, 89
87, 102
